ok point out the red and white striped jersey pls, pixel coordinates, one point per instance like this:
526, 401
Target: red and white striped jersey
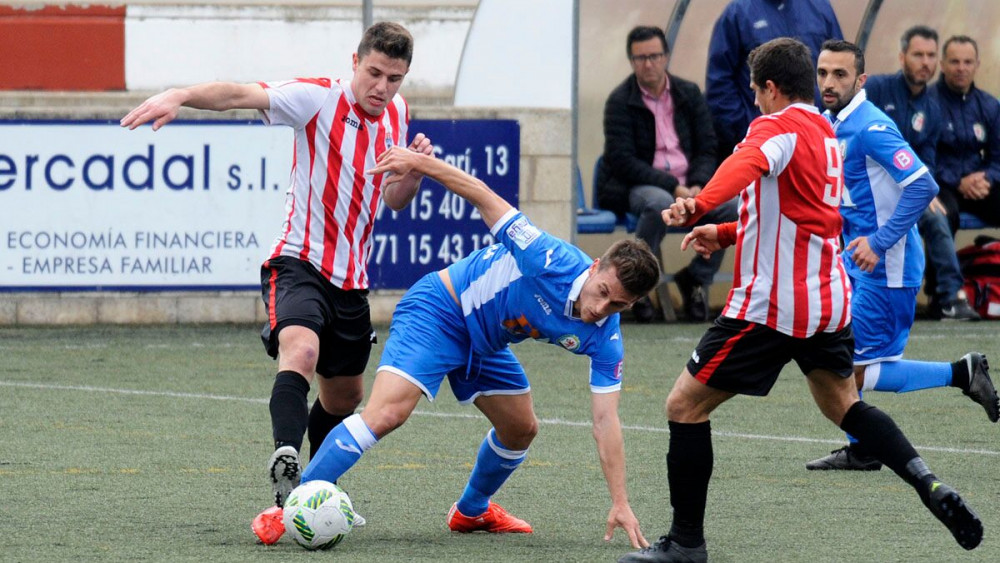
331, 203
788, 272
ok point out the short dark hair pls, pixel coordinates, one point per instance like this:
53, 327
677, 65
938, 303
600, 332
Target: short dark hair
959, 39
842, 46
388, 38
637, 268
916, 31
787, 63
645, 33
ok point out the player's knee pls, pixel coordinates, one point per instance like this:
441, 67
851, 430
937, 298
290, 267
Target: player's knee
301, 356
680, 409
385, 421
518, 435
345, 401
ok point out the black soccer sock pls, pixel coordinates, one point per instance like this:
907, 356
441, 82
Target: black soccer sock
689, 468
879, 437
320, 424
289, 409
960, 374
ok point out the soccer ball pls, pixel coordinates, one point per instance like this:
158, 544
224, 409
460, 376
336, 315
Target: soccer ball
318, 514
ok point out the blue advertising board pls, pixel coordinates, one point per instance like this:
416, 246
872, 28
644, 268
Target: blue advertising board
440, 228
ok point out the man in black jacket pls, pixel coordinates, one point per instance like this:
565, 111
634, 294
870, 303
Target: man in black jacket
659, 144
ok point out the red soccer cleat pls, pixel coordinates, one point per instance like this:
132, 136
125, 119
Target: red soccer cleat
267, 526
495, 520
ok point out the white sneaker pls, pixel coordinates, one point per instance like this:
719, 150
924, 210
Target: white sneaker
284, 472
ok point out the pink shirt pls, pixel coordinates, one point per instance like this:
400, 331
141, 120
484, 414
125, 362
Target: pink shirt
668, 155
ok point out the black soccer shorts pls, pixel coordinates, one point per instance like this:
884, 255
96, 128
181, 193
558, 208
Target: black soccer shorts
744, 357
295, 294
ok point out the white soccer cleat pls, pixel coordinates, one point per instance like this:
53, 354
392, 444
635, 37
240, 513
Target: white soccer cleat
284, 471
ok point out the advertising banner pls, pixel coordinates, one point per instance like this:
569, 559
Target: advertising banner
196, 205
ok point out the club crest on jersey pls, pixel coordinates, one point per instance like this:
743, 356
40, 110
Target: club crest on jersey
522, 232
918, 121
843, 149
979, 132
903, 159
570, 342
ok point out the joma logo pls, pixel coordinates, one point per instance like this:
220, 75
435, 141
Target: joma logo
352, 122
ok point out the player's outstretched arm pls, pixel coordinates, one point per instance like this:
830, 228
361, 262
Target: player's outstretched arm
611, 451
402, 162
218, 96
398, 195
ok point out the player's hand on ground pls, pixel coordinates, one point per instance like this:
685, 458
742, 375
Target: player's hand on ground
704, 239
679, 212
160, 109
622, 517
863, 255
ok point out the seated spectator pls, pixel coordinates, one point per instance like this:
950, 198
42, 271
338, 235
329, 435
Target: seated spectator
659, 144
968, 152
913, 106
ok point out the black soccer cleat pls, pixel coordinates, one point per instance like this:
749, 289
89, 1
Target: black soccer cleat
664, 550
963, 523
694, 296
981, 389
844, 459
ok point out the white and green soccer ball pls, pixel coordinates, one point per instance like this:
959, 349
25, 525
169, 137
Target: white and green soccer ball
318, 514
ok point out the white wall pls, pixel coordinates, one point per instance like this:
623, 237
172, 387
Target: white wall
177, 45
518, 54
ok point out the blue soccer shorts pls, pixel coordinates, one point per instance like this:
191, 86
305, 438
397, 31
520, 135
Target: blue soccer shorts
882, 317
428, 340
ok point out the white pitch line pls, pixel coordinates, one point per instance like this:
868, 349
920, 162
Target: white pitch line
550, 421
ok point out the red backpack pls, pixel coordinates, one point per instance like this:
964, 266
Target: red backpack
980, 264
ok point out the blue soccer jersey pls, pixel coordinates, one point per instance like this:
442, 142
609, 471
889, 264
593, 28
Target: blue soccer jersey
878, 166
525, 286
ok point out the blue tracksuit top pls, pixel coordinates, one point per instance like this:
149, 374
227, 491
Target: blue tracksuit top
970, 135
745, 25
917, 117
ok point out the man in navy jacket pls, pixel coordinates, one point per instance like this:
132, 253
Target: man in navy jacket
968, 152
744, 25
913, 106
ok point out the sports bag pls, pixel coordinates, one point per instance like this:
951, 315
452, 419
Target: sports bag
980, 264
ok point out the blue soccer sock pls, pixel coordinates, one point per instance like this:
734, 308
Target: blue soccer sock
494, 465
904, 376
341, 449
